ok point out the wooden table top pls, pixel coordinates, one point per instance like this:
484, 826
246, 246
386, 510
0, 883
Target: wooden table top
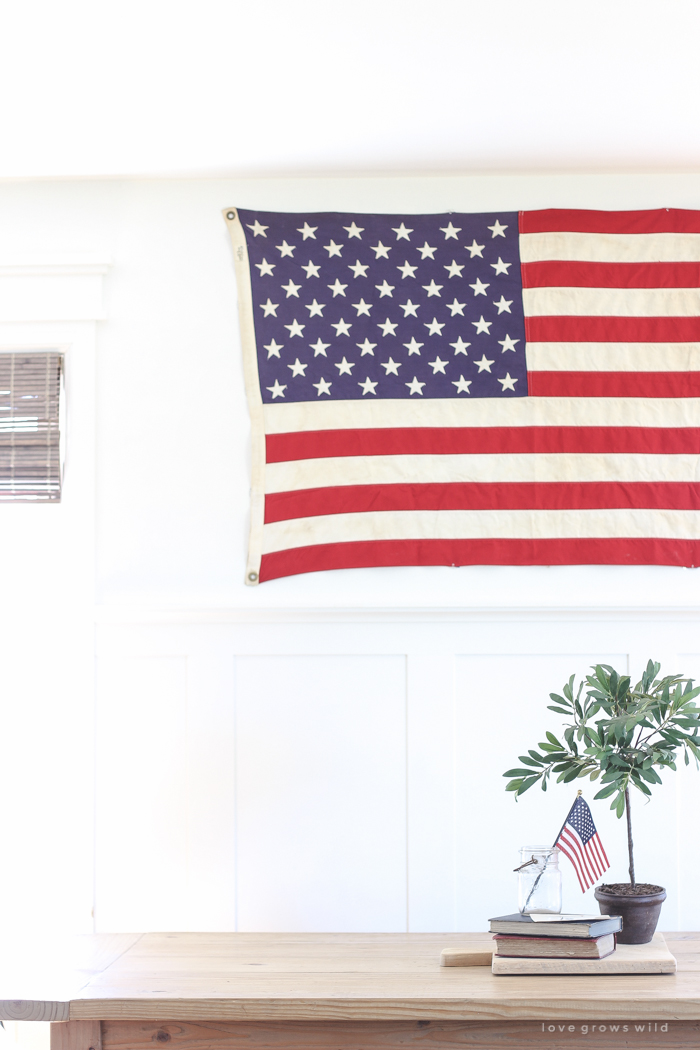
327, 977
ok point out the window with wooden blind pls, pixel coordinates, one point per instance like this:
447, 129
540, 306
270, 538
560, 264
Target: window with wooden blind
30, 438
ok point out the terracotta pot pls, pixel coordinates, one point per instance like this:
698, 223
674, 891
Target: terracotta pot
639, 911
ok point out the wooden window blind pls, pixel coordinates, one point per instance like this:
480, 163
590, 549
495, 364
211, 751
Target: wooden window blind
30, 440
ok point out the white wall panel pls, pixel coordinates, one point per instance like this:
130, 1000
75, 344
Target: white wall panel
687, 813
321, 778
365, 752
143, 826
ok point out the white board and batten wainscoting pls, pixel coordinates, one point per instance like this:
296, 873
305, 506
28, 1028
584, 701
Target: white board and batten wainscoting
318, 753
327, 771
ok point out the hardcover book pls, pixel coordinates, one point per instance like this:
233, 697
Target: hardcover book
523, 925
538, 947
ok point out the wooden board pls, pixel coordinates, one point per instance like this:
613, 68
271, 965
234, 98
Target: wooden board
466, 957
650, 958
218, 977
395, 1035
39, 979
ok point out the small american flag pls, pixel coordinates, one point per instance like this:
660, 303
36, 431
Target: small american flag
580, 842
502, 388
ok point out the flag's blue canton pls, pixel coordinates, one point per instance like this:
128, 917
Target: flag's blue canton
581, 820
361, 307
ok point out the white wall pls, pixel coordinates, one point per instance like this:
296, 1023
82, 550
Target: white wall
319, 752
304, 86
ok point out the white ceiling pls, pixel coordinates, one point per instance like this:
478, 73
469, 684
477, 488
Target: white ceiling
269, 87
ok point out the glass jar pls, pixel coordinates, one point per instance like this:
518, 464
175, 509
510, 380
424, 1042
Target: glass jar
539, 880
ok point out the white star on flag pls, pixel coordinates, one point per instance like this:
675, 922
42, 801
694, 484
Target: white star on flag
407, 270
508, 344
353, 230
497, 229
462, 385
482, 326
460, 347
257, 228
415, 387
508, 383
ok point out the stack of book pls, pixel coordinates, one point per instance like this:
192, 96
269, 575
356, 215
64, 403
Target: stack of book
554, 936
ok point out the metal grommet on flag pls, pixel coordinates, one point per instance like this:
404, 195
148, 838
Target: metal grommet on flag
231, 215
252, 577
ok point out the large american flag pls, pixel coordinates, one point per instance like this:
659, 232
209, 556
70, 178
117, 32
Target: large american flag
580, 842
500, 388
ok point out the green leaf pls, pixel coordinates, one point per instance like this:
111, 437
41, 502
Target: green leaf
527, 784
528, 761
553, 740
513, 785
559, 710
606, 791
518, 773
620, 807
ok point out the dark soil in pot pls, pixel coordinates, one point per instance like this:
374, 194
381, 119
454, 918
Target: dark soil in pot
639, 906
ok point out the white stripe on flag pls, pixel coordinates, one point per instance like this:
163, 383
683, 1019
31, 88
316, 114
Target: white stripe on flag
480, 524
611, 302
610, 247
613, 357
484, 412
294, 475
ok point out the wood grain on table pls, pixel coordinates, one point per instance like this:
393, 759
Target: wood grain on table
334, 977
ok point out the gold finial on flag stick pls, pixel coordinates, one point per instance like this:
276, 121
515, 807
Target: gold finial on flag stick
579, 793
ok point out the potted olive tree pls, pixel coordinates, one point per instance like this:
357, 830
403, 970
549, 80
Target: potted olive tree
639, 731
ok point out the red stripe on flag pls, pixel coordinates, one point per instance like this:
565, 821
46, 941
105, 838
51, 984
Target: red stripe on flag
402, 441
572, 858
512, 495
614, 384
611, 275
602, 849
574, 843
567, 328
662, 220
596, 848
592, 853
368, 553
